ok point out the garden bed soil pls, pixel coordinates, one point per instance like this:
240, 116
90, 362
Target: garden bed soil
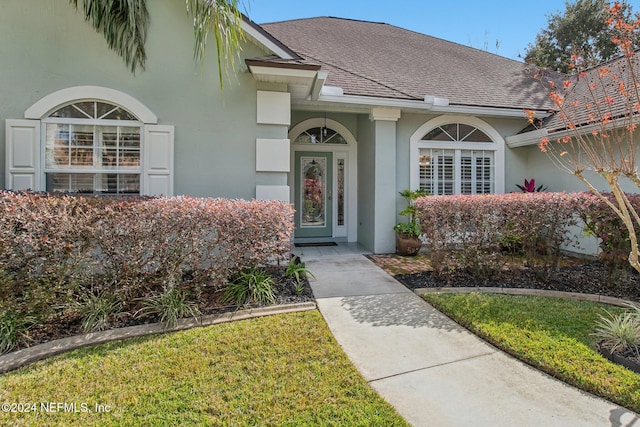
67, 323
586, 278
628, 359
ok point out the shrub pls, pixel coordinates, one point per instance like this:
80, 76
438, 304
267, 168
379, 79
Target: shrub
469, 232
461, 232
541, 221
602, 222
45, 246
129, 247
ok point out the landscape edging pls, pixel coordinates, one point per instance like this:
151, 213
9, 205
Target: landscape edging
26, 356
533, 292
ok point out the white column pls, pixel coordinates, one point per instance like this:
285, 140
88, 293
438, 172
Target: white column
385, 178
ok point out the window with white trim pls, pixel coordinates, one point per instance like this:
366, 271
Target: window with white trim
92, 147
451, 163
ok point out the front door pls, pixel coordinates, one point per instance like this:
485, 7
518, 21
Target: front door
313, 194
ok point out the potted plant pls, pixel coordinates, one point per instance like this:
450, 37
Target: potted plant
408, 233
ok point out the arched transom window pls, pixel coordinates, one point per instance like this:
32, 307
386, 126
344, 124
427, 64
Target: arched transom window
457, 158
320, 135
92, 147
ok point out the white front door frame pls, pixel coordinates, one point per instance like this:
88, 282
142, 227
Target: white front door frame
349, 154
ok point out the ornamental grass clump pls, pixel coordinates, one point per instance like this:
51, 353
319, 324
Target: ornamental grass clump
170, 305
14, 330
619, 333
297, 271
252, 286
98, 310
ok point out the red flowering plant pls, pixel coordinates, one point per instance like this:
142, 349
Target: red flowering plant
593, 131
529, 186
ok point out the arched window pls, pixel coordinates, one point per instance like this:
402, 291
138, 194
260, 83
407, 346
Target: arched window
92, 147
458, 157
89, 139
320, 135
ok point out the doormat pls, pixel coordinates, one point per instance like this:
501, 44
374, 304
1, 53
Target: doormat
310, 245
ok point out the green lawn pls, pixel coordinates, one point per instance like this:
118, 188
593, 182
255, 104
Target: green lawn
551, 334
277, 370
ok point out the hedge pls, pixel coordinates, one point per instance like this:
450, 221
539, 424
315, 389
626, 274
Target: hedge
478, 232
53, 247
602, 222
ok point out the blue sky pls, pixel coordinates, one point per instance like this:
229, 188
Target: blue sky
478, 23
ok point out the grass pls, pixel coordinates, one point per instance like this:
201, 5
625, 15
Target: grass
277, 370
552, 334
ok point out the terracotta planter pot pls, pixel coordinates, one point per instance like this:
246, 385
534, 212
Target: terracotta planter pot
407, 245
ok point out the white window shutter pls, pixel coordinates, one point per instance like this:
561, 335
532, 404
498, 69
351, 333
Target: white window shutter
157, 160
23, 170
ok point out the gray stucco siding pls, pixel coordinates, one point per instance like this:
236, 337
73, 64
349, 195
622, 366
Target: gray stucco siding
47, 46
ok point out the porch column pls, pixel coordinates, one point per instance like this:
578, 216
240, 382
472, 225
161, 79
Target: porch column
384, 121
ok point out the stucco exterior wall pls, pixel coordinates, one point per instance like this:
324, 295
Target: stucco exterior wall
558, 180
515, 163
46, 46
407, 125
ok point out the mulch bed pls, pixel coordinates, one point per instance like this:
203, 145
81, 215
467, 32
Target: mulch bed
66, 324
588, 278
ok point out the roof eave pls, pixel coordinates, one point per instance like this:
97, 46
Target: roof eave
430, 103
525, 139
302, 80
533, 137
262, 37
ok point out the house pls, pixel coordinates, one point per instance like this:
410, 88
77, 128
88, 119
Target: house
333, 115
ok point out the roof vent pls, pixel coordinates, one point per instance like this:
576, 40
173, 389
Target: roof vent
434, 100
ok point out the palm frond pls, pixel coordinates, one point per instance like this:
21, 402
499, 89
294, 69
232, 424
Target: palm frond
224, 18
123, 23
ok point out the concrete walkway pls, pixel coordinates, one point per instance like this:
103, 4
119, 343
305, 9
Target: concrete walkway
431, 370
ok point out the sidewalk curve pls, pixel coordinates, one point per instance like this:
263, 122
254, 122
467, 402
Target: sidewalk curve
433, 371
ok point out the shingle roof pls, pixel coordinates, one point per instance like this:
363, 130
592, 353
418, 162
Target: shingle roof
380, 60
601, 91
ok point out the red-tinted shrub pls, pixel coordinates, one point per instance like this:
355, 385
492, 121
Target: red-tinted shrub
474, 232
